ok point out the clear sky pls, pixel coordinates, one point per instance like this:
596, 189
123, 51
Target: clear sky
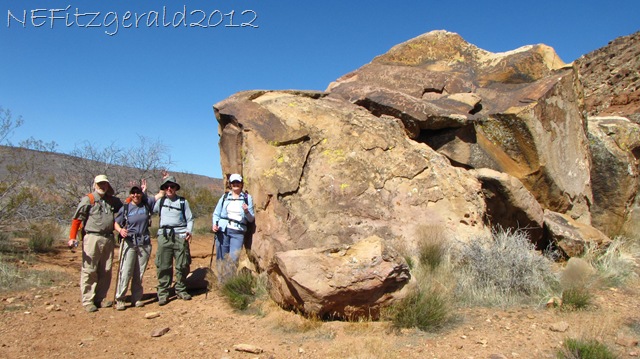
83, 77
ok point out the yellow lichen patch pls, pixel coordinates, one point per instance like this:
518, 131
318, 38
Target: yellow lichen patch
334, 156
344, 186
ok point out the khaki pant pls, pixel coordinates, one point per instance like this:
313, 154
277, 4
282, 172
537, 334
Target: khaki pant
132, 266
95, 277
170, 248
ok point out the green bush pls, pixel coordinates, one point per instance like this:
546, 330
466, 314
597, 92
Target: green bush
423, 309
576, 298
431, 246
502, 270
42, 237
239, 290
584, 349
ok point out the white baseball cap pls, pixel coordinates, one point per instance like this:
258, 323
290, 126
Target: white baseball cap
235, 177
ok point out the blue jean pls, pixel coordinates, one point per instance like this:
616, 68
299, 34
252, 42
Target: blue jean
229, 243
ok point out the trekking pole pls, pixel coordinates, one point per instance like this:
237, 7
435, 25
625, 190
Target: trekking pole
213, 246
118, 274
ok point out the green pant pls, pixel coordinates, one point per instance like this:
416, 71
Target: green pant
170, 248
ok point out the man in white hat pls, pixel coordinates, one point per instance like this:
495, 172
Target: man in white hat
95, 214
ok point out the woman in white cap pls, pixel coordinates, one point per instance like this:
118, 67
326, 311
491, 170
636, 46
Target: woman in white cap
230, 218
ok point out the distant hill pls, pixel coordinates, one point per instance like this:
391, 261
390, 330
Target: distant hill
58, 164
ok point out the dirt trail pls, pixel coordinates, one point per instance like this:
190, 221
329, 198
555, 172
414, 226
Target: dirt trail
51, 323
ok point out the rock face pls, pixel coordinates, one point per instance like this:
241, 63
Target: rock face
615, 150
516, 112
571, 236
511, 205
611, 79
436, 133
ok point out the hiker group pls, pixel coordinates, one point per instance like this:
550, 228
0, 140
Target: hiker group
100, 213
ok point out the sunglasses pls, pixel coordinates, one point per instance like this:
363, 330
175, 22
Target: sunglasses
172, 186
236, 183
136, 193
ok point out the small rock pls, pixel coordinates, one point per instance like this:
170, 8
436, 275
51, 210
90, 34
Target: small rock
247, 348
633, 354
482, 341
554, 302
50, 308
560, 327
626, 341
159, 332
531, 316
497, 356
151, 315
11, 300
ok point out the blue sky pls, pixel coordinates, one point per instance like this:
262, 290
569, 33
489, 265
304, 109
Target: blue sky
75, 83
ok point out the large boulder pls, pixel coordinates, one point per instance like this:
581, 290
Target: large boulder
517, 112
615, 151
570, 236
347, 282
325, 172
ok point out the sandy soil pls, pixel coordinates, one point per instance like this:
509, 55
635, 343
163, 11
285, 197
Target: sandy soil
50, 322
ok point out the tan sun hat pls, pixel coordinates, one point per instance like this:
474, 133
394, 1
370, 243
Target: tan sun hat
101, 178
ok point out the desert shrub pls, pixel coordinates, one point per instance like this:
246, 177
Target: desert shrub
427, 304
502, 270
42, 236
5, 244
584, 349
422, 308
576, 281
431, 246
239, 290
576, 298
614, 264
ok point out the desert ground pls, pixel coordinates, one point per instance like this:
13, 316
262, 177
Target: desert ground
50, 322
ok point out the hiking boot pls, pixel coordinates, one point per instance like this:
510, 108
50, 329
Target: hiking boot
90, 308
162, 301
183, 295
120, 305
139, 304
106, 303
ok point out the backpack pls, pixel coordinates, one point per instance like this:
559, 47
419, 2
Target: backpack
251, 226
184, 216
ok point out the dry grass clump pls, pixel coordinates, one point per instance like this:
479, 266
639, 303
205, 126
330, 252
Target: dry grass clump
576, 282
243, 288
427, 304
14, 278
584, 349
502, 270
616, 263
